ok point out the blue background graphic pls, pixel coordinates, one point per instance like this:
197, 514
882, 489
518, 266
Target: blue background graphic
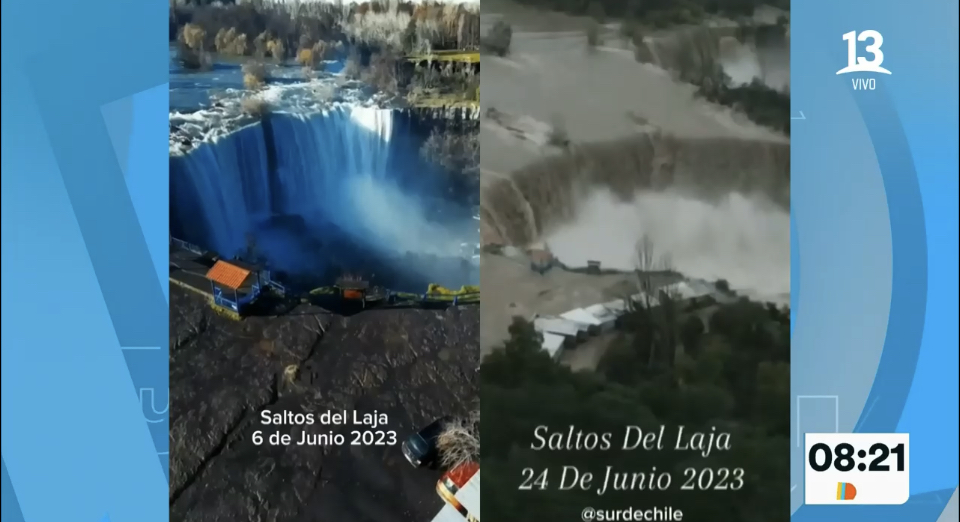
874, 260
85, 247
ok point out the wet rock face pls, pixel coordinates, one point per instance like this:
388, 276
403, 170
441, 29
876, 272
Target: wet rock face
521, 208
412, 365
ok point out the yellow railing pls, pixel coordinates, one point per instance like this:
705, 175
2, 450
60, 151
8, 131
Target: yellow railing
434, 294
446, 56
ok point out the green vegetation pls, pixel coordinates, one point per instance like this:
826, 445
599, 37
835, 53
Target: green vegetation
378, 35
443, 81
665, 368
403, 27
763, 105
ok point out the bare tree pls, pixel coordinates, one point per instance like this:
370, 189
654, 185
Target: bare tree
457, 152
254, 75
662, 337
648, 263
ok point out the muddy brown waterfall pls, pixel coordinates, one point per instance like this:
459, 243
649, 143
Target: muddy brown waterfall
522, 208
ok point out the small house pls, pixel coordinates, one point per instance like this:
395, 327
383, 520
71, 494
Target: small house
559, 326
353, 289
584, 318
598, 318
235, 284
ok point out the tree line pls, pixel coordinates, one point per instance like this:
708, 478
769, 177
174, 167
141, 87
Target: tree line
666, 367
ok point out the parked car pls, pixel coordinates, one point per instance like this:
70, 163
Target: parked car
420, 449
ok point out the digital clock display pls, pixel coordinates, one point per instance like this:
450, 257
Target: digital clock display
844, 457
857, 468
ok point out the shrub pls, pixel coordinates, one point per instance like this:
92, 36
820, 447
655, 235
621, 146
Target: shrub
460, 442
193, 36
313, 55
254, 75
762, 104
255, 106
305, 58
260, 45
277, 49
382, 73
229, 41
195, 60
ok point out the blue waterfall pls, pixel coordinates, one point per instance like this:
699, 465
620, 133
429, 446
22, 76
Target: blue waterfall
345, 191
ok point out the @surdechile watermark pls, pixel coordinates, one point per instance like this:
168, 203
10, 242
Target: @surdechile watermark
654, 514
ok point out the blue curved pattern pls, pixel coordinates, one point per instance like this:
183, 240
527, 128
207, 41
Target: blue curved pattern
11, 506
794, 267
875, 196
85, 309
908, 303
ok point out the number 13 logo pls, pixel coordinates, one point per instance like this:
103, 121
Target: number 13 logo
858, 63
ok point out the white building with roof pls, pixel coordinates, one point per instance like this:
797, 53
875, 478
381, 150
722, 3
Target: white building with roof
575, 325
560, 326
553, 344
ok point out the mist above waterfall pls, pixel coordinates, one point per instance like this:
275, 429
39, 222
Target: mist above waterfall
735, 238
344, 191
718, 207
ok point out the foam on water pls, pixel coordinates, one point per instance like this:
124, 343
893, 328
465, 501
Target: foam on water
225, 113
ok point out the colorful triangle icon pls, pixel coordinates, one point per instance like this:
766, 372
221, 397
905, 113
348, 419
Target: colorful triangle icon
846, 491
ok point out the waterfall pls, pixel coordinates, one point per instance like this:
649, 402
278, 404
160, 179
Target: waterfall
533, 201
339, 191
693, 54
717, 207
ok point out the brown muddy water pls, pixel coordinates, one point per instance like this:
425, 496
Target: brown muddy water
648, 158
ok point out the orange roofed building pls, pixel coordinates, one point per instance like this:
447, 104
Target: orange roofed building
236, 284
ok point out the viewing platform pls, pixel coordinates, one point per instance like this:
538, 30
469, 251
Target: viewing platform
232, 286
